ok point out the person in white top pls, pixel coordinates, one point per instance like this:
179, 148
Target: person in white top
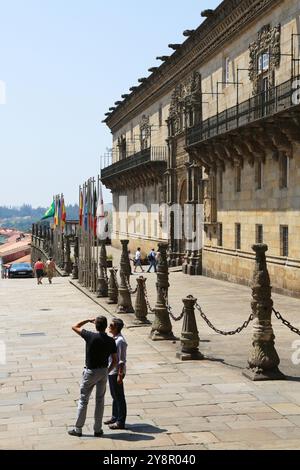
116, 377
138, 260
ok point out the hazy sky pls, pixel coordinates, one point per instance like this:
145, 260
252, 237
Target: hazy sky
64, 63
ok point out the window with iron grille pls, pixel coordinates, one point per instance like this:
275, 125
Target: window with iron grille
259, 236
237, 236
258, 175
220, 235
284, 241
283, 171
238, 179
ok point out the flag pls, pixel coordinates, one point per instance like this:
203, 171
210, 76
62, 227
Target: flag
102, 232
50, 212
80, 208
56, 213
63, 214
95, 213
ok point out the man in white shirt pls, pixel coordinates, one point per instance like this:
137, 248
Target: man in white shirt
138, 260
116, 377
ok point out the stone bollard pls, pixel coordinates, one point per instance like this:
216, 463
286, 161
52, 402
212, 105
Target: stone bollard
102, 290
124, 297
189, 335
141, 309
112, 287
263, 361
162, 327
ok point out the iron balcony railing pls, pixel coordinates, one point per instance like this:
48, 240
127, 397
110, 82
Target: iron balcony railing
264, 104
146, 156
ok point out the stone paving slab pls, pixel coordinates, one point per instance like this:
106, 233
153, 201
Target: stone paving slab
171, 405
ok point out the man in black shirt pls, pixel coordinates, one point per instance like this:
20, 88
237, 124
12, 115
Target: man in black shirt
99, 346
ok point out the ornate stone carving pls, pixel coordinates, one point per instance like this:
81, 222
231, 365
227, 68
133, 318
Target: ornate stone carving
145, 132
268, 41
186, 97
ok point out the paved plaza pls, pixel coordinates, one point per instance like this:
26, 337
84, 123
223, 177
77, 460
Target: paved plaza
171, 404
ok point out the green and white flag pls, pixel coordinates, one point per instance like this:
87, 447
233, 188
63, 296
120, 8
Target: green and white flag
50, 212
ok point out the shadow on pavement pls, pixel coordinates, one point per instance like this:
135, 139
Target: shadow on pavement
147, 428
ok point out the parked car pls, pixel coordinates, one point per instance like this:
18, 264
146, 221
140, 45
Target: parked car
20, 270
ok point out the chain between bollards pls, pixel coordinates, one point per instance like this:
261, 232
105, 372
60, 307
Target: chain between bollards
286, 322
132, 291
151, 310
221, 332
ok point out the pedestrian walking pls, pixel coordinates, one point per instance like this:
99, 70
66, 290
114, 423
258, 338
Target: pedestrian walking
152, 260
50, 269
39, 270
116, 378
99, 348
138, 260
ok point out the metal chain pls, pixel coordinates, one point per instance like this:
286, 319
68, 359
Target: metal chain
224, 333
132, 292
151, 310
169, 308
286, 323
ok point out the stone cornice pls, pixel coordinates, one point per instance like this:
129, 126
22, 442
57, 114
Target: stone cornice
229, 18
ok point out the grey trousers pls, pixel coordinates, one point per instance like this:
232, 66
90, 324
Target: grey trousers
90, 379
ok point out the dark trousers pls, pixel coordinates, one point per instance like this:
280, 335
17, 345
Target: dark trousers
119, 408
152, 264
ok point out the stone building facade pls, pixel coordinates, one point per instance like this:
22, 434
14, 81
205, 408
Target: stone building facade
218, 124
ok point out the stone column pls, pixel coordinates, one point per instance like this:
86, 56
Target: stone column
102, 290
141, 309
162, 327
263, 361
189, 335
124, 297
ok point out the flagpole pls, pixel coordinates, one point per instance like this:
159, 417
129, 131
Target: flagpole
97, 239
85, 235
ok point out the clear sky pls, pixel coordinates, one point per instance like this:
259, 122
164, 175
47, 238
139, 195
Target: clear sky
64, 63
